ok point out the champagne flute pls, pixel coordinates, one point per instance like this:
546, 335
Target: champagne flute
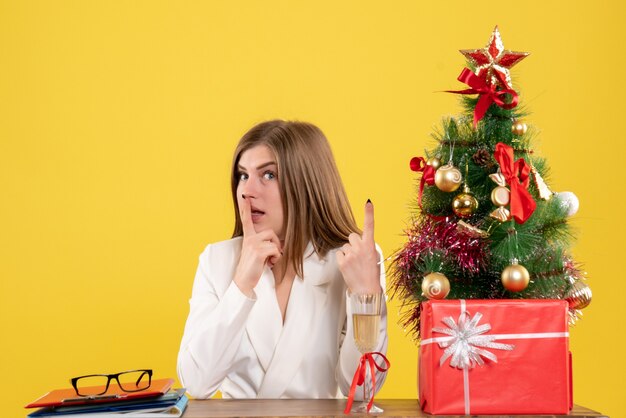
366, 323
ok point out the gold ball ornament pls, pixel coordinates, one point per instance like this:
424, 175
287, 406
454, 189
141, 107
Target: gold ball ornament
579, 296
435, 286
519, 128
515, 277
448, 178
464, 205
434, 162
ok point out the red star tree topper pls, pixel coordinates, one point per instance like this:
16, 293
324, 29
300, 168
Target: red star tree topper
493, 61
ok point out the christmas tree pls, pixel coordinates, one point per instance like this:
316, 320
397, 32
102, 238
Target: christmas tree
486, 225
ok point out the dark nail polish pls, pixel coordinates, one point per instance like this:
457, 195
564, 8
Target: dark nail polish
369, 201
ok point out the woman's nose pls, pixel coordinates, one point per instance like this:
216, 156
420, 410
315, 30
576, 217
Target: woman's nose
250, 188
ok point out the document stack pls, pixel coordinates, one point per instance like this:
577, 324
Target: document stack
158, 399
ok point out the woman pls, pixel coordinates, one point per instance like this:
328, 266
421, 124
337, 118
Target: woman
268, 314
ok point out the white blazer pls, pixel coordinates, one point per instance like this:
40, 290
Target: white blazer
240, 346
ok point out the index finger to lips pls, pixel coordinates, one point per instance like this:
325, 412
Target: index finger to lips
246, 218
368, 222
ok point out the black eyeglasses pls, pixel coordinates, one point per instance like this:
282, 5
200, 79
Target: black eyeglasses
98, 384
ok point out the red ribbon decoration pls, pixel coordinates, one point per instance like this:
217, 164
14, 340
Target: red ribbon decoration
428, 176
367, 359
516, 175
488, 93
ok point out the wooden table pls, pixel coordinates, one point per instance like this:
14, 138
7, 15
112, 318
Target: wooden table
322, 408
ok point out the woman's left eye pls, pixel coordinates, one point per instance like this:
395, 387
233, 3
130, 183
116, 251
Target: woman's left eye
269, 175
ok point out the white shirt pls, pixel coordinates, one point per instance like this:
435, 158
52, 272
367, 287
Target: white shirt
240, 346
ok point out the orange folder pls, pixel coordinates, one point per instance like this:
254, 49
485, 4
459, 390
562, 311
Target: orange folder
68, 397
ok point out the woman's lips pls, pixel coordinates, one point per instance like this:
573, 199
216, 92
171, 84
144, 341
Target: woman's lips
257, 215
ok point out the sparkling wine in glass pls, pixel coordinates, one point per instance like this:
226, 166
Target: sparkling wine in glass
366, 324
366, 327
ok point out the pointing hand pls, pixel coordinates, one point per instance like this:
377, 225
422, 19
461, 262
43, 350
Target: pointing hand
358, 259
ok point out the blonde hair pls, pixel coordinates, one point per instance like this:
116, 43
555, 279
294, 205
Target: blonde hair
315, 204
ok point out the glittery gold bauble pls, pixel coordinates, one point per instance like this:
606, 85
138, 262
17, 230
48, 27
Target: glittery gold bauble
519, 128
435, 286
500, 196
464, 205
515, 277
448, 178
434, 162
579, 296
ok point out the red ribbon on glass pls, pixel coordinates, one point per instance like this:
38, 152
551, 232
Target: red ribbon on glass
428, 174
367, 359
517, 177
488, 93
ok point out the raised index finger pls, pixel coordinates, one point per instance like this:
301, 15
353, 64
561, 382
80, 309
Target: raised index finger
368, 222
246, 218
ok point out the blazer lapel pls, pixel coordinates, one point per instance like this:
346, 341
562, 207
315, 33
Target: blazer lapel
264, 324
306, 302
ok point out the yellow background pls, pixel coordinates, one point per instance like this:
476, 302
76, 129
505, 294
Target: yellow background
118, 120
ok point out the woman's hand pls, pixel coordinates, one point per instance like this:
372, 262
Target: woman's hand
258, 249
358, 260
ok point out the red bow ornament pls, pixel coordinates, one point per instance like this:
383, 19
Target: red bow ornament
488, 93
516, 175
428, 174
367, 359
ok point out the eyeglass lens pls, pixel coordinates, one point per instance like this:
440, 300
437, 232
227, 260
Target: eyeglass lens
132, 381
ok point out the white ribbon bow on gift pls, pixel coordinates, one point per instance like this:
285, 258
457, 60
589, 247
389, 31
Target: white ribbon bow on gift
466, 342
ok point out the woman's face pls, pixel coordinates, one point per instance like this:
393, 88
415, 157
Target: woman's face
258, 181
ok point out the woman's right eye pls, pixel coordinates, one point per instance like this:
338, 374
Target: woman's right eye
243, 176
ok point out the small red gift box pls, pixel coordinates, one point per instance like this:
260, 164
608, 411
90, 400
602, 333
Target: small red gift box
495, 357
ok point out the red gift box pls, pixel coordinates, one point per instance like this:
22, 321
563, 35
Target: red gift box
495, 357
